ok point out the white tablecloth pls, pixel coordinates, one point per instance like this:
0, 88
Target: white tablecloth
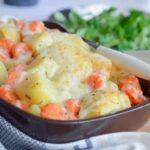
13, 139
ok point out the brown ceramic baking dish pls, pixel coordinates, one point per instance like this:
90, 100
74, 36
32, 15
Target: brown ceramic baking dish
55, 131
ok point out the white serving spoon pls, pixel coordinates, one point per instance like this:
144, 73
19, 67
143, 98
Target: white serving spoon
141, 54
127, 62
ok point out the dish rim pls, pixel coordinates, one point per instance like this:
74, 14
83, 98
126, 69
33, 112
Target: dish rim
80, 121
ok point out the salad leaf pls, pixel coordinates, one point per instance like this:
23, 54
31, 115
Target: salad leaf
125, 33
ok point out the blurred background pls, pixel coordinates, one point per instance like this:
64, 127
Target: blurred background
43, 8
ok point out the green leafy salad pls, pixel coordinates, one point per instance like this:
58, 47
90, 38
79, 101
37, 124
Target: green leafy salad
122, 32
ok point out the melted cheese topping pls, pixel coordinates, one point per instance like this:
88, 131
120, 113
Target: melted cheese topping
58, 67
75, 63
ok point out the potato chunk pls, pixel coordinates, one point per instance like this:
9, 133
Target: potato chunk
72, 40
3, 73
100, 63
117, 73
103, 103
39, 41
34, 109
10, 32
37, 89
43, 64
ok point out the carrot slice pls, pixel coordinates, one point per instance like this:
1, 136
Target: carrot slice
20, 24
6, 44
73, 106
15, 74
19, 67
134, 96
20, 104
96, 81
53, 111
130, 85
7, 93
12, 77
128, 79
5, 48
20, 49
4, 54
36, 26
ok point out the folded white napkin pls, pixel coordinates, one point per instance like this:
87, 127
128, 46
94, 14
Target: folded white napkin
114, 141
13, 139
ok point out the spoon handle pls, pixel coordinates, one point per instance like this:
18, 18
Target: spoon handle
129, 63
142, 55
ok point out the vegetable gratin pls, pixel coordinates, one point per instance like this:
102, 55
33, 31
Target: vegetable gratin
55, 75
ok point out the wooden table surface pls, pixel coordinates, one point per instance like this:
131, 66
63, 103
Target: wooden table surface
146, 127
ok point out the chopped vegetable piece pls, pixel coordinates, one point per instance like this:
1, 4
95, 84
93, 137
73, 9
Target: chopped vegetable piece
20, 104
7, 93
53, 111
15, 74
6, 44
34, 109
37, 89
10, 32
4, 54
3, 73
38, 42
19, 67
12, 77
131, 86
96, 81
20, 49
99, 104
36, 26
44, 64
20, 24
73, 106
